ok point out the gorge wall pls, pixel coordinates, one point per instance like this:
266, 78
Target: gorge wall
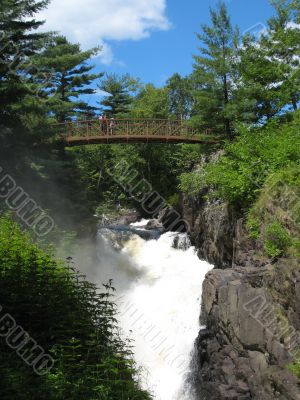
250, 308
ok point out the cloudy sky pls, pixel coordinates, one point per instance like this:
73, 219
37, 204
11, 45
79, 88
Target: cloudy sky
150, 39
94, 22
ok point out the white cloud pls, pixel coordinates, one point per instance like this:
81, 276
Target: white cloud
293, 25
92, 22
106, 56
101, 93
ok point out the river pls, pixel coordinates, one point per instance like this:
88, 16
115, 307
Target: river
159, 300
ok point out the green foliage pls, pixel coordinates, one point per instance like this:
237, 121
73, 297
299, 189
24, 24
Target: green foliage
18, 41
288, 176
160, 165
180, 97
295, 368
151, 102
251, 83
214, 74
283, 43
277, 239
173, 200
120, 91
54, 181
192, 182
259, 173
253, 225
69, 77
274, 218
42, 75
270, 67
70, 318
256, 154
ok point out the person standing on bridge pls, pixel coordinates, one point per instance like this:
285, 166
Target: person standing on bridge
103, 123
112, 125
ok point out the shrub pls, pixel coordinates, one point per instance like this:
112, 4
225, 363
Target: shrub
70, 318
174, 200
253, 226
295, 368
277, 240
240, 174
192, 182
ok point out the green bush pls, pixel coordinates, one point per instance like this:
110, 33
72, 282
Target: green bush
192, 182
173, 200
253, 225
296, 247
279, 200
295, 368
284, 188
277, 240
70, 318
256, 154
158, 164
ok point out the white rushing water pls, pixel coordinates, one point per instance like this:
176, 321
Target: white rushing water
158, 294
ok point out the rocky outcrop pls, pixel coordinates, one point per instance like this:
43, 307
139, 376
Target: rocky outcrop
252, 317
250, 308
212, 228
119, 217
217, 230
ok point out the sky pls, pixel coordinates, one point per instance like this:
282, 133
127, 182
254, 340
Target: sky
149, 39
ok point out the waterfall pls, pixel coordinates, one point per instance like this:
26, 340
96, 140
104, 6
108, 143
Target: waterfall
158, 284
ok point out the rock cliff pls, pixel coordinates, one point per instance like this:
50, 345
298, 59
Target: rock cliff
250, 307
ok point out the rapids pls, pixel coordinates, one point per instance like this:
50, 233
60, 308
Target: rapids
158, 283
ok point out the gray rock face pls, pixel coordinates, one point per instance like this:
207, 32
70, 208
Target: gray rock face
154, 224
251, 311
212, 229
243, 352
120, 218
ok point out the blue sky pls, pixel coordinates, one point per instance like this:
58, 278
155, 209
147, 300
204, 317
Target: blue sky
149, 39
156, 58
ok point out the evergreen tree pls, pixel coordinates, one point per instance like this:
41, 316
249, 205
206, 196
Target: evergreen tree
215, 74
284, 47
270, 66
296, 10
259, 81
18, 41
70, 77
120, 91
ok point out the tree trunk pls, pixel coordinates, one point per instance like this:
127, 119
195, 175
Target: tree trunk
226, 101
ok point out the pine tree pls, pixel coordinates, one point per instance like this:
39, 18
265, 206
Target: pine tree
283, 40
259, 81
120, 91
214, 74
270, 66
70, 77
18, 41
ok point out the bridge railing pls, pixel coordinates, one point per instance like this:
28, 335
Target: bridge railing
126, 128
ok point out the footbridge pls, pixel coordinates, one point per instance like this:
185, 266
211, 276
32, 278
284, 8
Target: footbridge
78, 133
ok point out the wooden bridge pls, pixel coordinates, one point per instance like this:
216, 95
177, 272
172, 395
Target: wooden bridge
77, 133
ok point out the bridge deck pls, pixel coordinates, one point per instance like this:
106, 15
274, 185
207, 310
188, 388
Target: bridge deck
79, 141
79, 133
